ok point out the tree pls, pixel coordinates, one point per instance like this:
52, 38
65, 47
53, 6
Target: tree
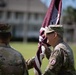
69, 16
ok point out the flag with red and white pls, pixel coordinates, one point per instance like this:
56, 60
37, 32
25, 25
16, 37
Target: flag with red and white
52, 17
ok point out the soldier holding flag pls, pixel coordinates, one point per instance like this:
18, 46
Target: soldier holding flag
61, 61
52, 17
51, 33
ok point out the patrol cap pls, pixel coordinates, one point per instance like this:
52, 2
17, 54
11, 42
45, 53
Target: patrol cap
4, 27
54, 28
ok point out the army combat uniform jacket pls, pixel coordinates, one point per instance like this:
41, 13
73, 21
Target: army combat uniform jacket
11, 62
61, 61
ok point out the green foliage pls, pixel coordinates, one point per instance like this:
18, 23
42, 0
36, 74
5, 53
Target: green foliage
70, 15
28, 50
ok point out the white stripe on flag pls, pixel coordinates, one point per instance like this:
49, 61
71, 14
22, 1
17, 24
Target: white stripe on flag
37, 62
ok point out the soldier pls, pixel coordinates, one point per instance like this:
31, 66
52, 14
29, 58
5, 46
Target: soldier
11, 61
61, 61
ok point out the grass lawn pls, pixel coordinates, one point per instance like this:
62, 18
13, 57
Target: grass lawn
28, 50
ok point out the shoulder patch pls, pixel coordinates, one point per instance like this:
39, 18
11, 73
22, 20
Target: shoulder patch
53, 61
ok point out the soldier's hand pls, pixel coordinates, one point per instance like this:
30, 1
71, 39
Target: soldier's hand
45, 45
47, 51
30, 63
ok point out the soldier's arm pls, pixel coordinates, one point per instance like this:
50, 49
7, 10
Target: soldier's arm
55, 63
48, 52
25, 70
30, 63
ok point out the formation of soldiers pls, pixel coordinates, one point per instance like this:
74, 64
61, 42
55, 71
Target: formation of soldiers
61, 61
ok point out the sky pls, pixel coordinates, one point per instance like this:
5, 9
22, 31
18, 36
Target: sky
65, 3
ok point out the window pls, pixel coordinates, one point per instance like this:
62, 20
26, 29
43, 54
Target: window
29, 16
8, 16
1, 14
33, 27
36, 16
2, 3
43, 15
19, 15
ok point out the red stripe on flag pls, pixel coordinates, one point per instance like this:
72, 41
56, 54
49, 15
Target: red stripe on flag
52, 17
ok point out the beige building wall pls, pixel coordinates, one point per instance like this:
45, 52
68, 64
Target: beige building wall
25, 16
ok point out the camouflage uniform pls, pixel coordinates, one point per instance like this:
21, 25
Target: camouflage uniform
11, 61
61, 61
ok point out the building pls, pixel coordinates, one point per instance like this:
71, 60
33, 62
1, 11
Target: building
70, 32
25, 16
